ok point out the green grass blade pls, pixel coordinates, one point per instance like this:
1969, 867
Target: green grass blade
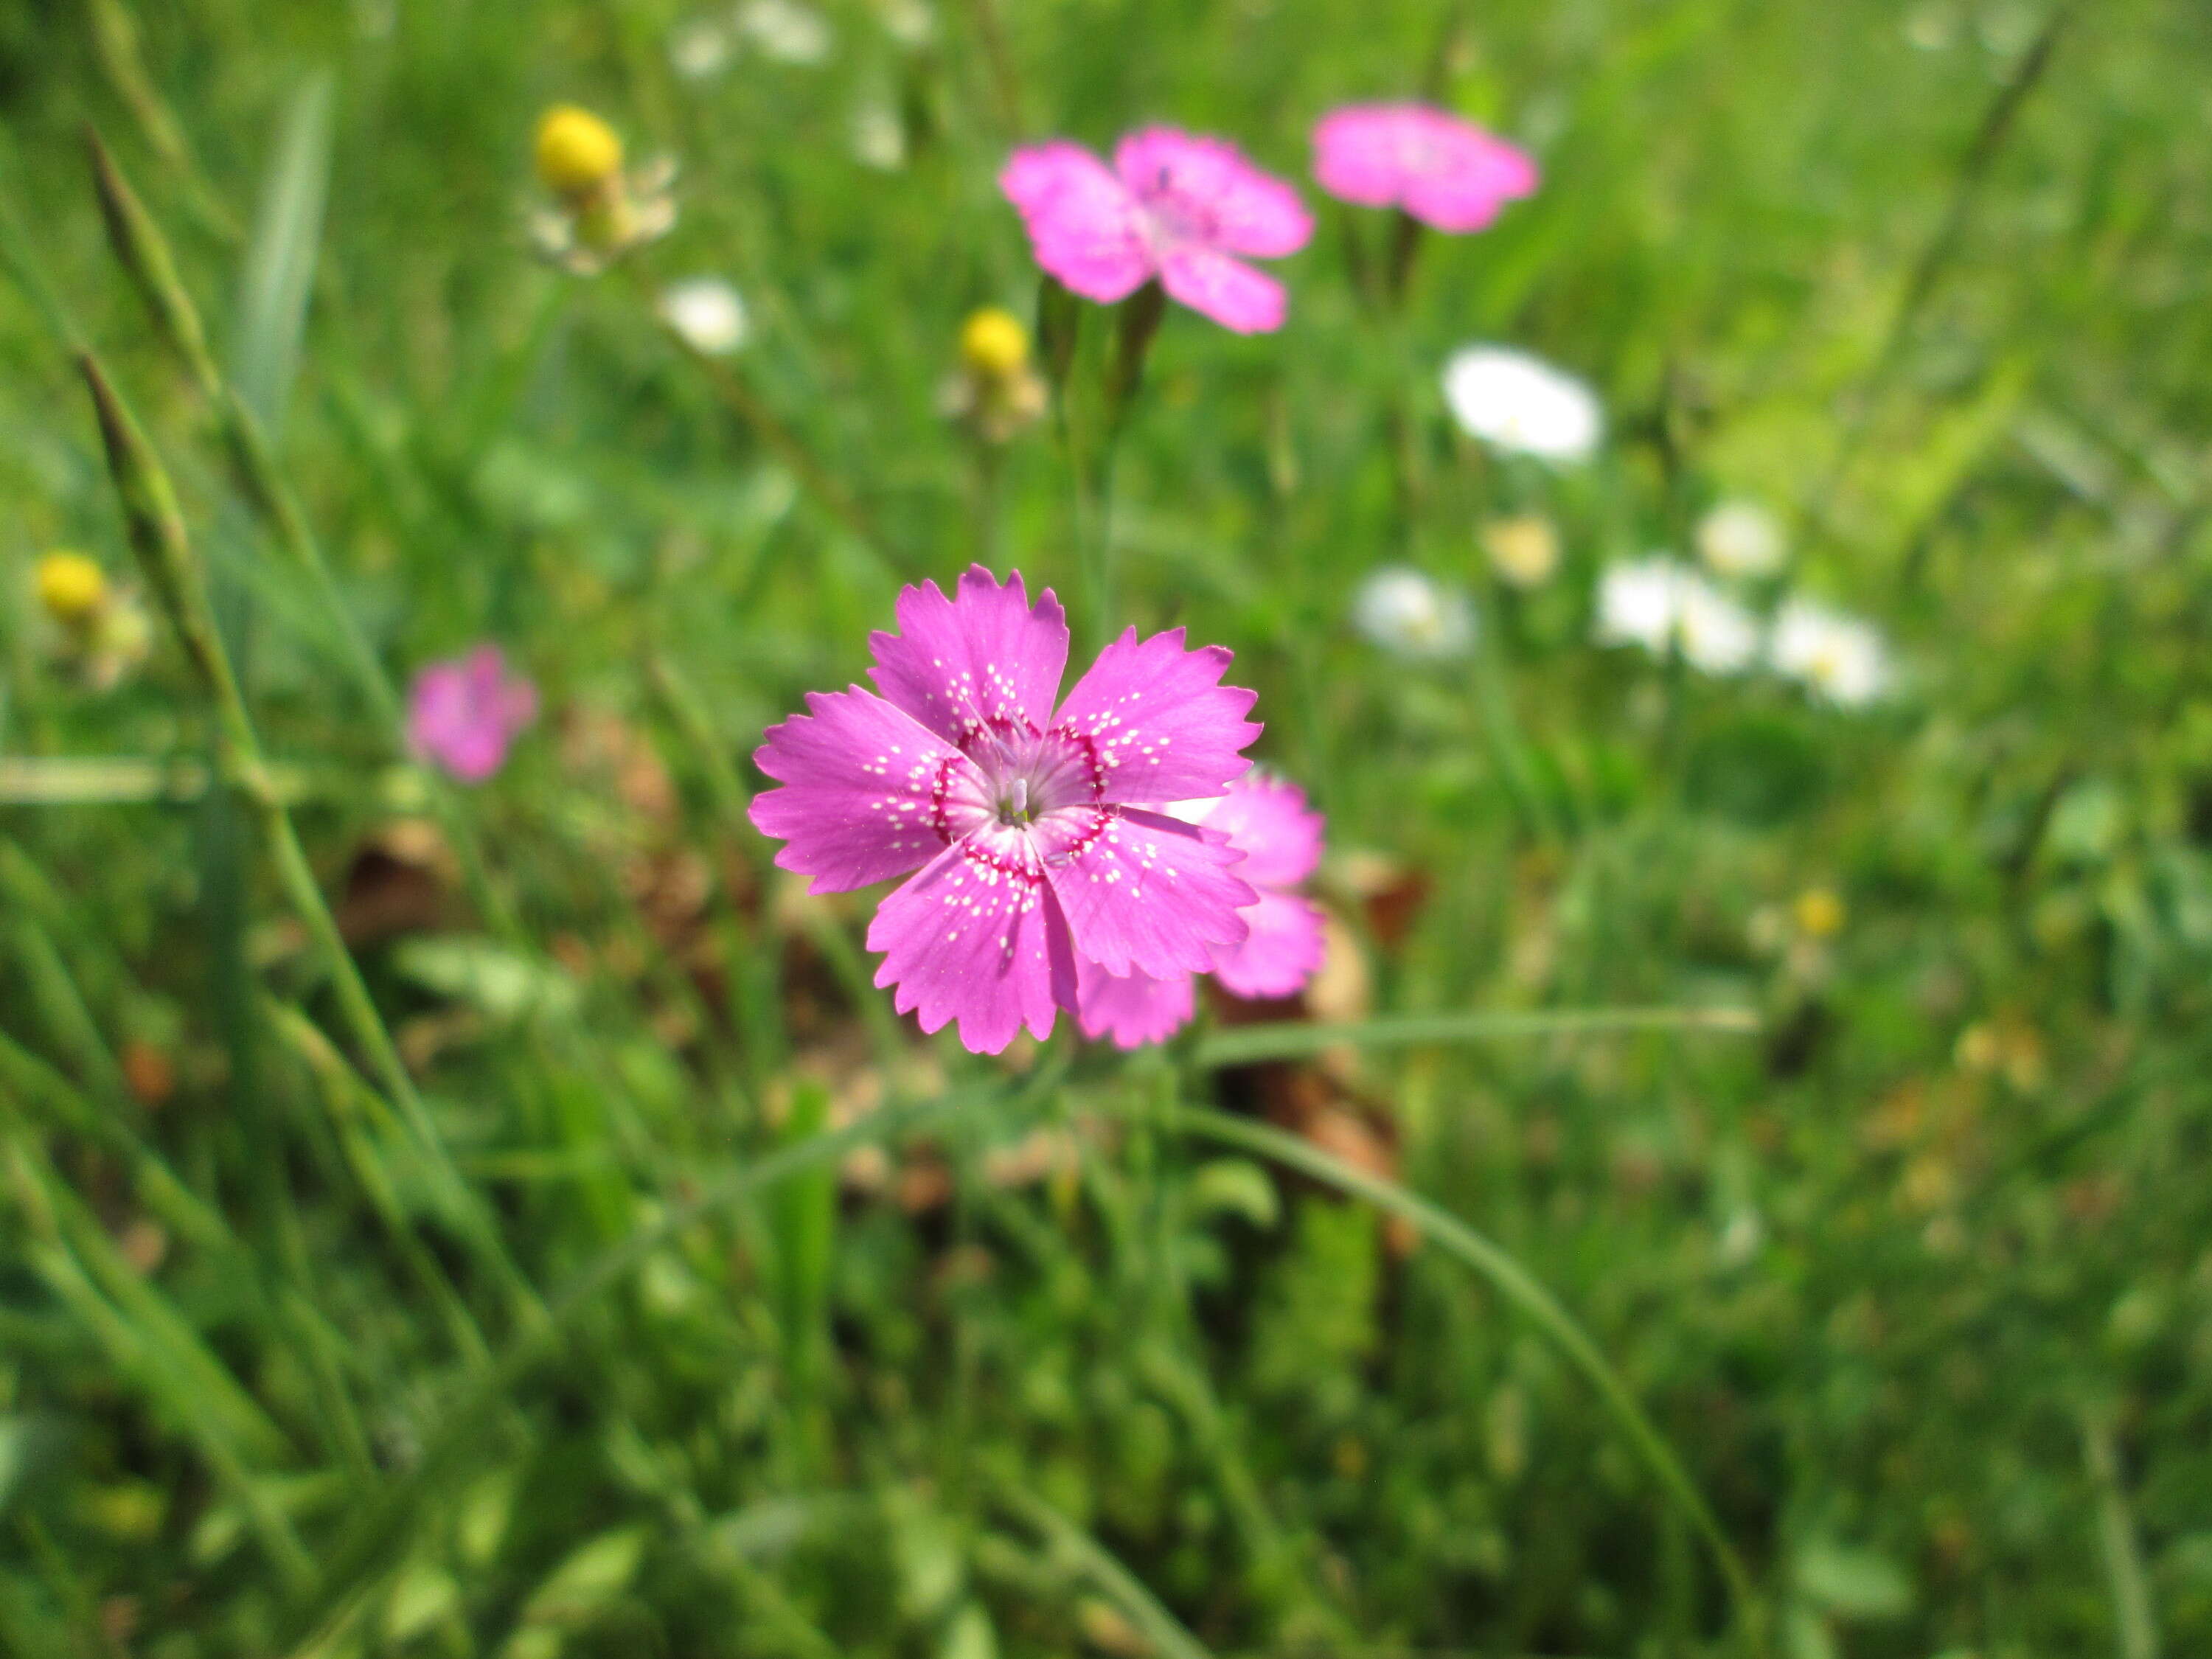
1293, 1039
1518, 1286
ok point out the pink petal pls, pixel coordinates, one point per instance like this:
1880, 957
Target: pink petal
1281, 951
462, 714
1239, 298
1142, 893
1268, 820
985, 654
1488, 173
1359, 154
1085, 228
1206, 189
1443, 170
1133, 1009
1165, 727
868, 793
978, 938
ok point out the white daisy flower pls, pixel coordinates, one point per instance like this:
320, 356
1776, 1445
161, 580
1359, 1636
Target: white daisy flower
1837, 657
698, 47
1740, 539
1402, 610
708, 312
786, 31
1515, 402
1665, 607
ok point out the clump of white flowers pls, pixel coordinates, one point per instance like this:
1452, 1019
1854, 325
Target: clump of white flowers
1837, 658
1740, 540
708, 312
1664, 606
1403, 610
1520, 403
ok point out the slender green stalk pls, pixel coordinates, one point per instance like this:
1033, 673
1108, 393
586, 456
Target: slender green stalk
348, 1566
2133, 1616
1162, 1629
1243, 1045
261, 482
158, 537
1518, 1286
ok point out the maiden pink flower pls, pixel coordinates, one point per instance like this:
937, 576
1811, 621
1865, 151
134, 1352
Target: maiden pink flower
1446, 172
1173, 206
1035, 832
464, 712
1268, 821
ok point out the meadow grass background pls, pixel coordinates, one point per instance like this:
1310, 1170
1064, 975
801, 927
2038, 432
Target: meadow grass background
1914, 1279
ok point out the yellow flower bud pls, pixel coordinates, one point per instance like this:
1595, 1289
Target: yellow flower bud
994, 344
72, 587
1819, 913
577, 152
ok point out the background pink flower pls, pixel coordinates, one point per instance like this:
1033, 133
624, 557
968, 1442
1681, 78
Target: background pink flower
1173, 206
463, 714
1269, 821
1032, 831
1445, 171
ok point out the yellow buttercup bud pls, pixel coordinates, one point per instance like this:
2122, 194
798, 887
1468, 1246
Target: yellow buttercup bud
994, 344
1524, 550
72, 587
1819, 913
577, 152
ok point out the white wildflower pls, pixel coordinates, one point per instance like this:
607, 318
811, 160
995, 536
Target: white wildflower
1665, 607
1401, 609
1740, 539
1515, 402
699, 47
785, 30
708, 312
1837, 657
878, 140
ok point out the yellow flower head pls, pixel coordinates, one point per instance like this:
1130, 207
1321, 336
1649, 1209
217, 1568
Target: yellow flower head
72, 587
1523, 550
1819, 913
994, 344
577, 152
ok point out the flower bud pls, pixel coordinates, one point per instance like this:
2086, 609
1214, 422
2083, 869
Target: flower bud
1819, 913
994, 344
577, 152
72, 587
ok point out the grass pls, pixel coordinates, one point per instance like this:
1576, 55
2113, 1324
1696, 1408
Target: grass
514, 1225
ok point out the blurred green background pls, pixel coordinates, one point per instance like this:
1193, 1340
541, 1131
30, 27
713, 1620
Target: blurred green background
961, 1357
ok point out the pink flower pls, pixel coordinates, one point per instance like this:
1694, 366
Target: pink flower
1035, 831
1444, 171
1268, 821
1173, 206
462, 713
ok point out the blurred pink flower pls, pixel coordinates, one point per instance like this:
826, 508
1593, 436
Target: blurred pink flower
1446, 172
1269, 821
1036, 832
1173, 206
463, 714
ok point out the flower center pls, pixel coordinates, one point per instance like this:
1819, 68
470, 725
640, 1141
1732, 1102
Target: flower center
1176, 218
1026, 777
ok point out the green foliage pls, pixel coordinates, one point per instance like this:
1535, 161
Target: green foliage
509, 1222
